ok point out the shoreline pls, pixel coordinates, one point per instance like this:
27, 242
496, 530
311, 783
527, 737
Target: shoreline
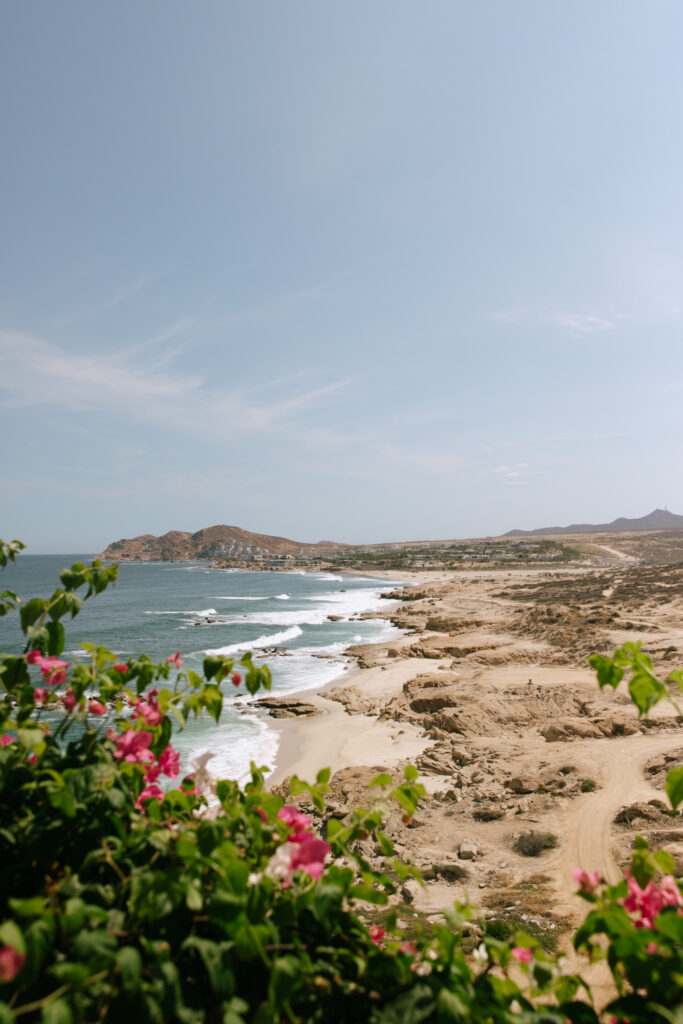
333, 737
488, 692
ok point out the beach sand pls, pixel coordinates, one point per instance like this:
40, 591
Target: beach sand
489, 693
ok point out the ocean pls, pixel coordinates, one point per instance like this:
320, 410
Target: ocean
162, 607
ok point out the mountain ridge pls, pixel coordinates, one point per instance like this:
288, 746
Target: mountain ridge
658, 519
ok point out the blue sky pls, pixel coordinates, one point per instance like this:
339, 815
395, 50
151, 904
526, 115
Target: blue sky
360, 271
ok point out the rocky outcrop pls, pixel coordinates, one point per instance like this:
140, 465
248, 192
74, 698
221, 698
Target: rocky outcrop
209, 543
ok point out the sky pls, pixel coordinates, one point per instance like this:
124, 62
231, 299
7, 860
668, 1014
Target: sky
360, 272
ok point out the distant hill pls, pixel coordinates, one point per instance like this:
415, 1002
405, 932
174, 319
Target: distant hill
212, 542
660, 519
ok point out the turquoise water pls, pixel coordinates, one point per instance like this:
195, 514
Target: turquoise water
161, 607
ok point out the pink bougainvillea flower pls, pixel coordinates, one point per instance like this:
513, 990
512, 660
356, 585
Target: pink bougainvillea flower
261, 813
134, 747
643, 905
235, 679
111, 734
39, 695
169, 762
148, 710
377, 934
96, 708
33, 658
409, 947
11, 963
587, 882
120, 667
309, 855
175, 659
149, 792
5, 740
522, 954
53, 670
670, 891
32, 758
68, 700
293, 818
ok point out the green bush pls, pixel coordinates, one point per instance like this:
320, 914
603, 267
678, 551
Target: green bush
533, 844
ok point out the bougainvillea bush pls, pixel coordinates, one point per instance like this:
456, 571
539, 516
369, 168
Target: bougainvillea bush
128, 894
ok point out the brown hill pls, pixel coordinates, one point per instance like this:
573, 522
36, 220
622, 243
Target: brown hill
211, 542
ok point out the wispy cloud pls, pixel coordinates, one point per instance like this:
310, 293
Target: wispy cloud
510, 472
142, 387
574, 321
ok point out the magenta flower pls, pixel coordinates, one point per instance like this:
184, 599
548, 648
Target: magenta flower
645, 904
54, 671
11, 963
149, 792
377, 934
39, 695
5, 740
309, 855
175, 659
293, 818
588, 883
169, 762
120, 667
235, 679
133, 747
96, 708
149, 713
33, 658
69, 701
409, 947
522, 954
261, 813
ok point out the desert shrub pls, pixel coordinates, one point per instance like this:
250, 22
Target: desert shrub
588, 785
533, 844
450, 872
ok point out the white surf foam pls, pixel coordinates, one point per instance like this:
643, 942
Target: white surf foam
203, 613
272, 640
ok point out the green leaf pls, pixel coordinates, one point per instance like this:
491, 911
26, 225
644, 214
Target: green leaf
32, 739
609, 674
645, 691
664, 862
55, 632
57, 1012
327, 901
11, 935
451, 1008
212, 699
411, 773
212, 665
285, 979
384, 779
385, 843
31, 612
129, 963
674, 786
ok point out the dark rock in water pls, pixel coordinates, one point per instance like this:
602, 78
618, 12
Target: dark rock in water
334, 618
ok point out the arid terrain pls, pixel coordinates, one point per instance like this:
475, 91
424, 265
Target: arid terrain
531, 769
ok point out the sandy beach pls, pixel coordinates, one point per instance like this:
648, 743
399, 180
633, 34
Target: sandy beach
488, 692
